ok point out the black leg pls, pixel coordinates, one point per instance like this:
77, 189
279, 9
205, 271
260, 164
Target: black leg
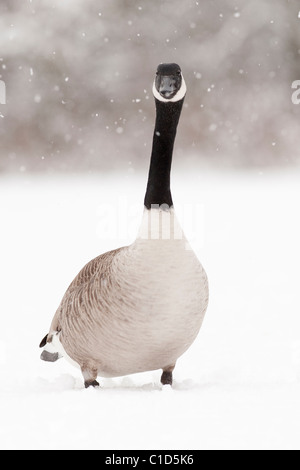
90, 375
167, 375
167, 378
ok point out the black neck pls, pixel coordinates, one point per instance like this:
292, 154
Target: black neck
158, 187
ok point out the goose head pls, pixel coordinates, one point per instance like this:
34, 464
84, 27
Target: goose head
169, 84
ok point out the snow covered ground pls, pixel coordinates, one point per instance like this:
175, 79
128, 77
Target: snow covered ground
238, 387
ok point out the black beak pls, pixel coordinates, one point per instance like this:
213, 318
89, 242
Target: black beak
167, 86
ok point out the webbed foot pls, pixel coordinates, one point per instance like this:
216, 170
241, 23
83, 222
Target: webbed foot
90, 374
91, 383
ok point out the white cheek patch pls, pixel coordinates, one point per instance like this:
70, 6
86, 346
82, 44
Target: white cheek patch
179, 95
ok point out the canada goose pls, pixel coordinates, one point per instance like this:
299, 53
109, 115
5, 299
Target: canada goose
140, 307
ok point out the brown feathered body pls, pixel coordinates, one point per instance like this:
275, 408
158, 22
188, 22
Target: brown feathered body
134, 309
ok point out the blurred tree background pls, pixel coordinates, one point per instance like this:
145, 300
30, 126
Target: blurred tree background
79, 75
